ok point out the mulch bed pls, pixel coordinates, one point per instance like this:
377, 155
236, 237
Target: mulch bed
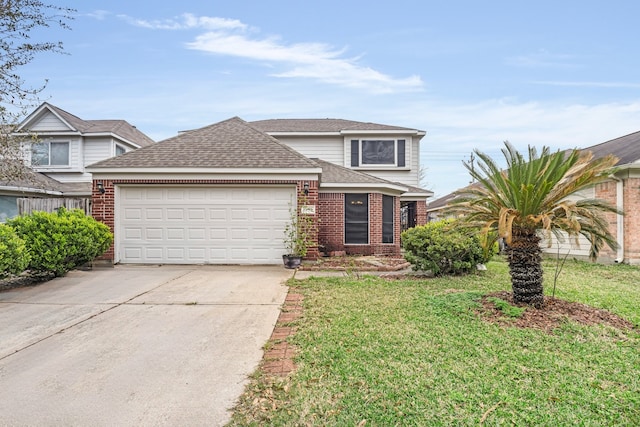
358, 263
553, 314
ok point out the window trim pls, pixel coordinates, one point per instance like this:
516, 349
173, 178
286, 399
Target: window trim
400, 147
48, 144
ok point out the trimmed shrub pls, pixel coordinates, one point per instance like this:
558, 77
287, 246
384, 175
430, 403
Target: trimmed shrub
14, 256
442, 248
61, 241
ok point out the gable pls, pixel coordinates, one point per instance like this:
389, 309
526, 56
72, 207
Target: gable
47, 122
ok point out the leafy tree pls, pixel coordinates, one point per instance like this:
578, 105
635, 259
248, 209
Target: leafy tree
19, 21
531, 196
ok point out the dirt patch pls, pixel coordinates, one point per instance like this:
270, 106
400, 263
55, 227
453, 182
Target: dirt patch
358, 263
21, 281
554, 312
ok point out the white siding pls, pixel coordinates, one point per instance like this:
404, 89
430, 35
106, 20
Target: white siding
97, 149
49, 122
329, 149
575, 249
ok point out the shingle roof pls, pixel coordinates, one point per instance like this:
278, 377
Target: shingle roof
334, 174
31, 181
232, 143
626, 148
319, 125
120, 128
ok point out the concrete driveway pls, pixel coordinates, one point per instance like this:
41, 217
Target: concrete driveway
135, 345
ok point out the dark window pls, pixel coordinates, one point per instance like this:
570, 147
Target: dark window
355, 152
401, 155
356, 219
379, 152
387, 219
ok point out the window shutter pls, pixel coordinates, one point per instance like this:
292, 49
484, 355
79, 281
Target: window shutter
355, 152
401, 155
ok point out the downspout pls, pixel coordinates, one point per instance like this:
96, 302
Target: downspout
619, 218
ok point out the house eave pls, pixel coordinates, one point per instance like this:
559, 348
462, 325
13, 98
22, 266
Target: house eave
416, 196
344, 187
384, 132
30, 190
140, 170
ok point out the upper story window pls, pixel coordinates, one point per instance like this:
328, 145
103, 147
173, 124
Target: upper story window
50, 154
378, 152
120, 150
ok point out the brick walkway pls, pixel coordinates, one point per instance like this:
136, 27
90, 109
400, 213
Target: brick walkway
278, 359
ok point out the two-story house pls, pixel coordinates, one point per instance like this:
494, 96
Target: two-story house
58, 147
223, 193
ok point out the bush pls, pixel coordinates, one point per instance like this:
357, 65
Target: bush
61, 241
14, 256
442, 248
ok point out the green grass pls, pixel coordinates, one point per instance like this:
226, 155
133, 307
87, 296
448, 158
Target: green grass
390, 353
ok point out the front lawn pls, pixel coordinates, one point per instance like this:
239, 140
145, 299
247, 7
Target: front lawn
379, 352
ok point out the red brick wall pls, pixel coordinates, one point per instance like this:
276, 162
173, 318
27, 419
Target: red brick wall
631, 220
421, 212
331, 223
103, 206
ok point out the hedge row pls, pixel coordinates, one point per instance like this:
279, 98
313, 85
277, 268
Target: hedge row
50, 244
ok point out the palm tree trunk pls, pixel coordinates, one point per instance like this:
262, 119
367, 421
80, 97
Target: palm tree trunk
525, 266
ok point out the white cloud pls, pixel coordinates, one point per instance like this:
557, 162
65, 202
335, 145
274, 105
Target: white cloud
99, 14
187, 21
543, 59
315, 61
623, 85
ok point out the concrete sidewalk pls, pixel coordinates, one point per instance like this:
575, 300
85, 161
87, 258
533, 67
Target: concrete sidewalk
135, 345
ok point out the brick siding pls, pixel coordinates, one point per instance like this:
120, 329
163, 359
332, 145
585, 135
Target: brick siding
331, 226
631, 199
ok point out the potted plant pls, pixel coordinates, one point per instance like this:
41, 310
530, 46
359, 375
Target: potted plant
297, 238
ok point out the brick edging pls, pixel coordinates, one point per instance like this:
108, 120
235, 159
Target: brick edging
278, 358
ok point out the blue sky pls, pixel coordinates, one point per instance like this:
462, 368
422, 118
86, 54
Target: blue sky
471, 74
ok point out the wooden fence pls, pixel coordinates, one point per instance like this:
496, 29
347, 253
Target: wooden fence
28, 205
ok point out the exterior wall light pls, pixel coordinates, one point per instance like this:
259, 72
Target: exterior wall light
100, 187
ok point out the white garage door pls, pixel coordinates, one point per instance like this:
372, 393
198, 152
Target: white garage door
202, 225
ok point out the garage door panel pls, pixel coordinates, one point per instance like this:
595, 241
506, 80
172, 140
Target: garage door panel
133, 233
154, 233
175, 234
202, 224
175, 214
133, 213
218, 214
152, 214
218, 234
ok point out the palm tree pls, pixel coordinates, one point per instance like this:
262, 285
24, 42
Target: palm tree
531, 196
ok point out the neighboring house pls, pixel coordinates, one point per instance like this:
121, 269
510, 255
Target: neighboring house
222, 194
622, 190
58, 146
